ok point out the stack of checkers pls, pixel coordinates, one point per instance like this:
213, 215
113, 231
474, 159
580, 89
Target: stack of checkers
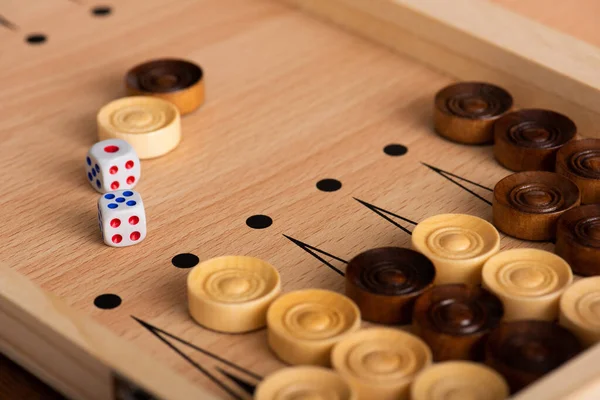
464, 319
149, 119
485, 316
555, 172
144, 125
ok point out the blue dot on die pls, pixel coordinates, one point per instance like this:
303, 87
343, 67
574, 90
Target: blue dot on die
113, 205
88, 161
98, 184
120, 199
97, 168
94, 172
131, 203
90, 177
109, 196
128, 193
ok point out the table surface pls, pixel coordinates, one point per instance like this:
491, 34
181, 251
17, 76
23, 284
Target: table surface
16, 383
577, 18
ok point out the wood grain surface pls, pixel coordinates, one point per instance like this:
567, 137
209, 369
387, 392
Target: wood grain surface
290, 101
469, 40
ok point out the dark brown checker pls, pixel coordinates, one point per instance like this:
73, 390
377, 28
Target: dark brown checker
455, 320
578, 239
178, 81
579, 160
385, 282
527, 205
465, 112
523, 351
527, 140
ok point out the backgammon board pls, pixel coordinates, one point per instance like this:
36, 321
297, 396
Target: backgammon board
315, 143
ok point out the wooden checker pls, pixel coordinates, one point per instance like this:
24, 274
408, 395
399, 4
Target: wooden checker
381, 363
579, 310
459, 379
466, 112
304, 382
178, 81
580, 162
313, 145
304, 325
528, 281
458, 245
232, 293
152, 126
455, 320
522, 351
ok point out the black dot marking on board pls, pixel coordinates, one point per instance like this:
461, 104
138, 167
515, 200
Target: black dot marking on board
107, 301
329, 185
259, 221
185, 260
101, 11
36, 38
395, 150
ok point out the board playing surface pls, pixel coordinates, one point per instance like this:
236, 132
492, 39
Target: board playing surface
290, 101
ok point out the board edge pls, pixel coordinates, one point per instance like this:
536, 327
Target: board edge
74, 354
427, 31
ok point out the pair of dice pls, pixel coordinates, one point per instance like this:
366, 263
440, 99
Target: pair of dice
113, 169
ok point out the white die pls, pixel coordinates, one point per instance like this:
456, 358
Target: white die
111, 165
122, 218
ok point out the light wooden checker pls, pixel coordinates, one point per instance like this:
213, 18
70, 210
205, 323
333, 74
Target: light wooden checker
290, 100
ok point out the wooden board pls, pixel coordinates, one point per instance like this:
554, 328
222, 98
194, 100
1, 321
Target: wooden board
477, 40
80, 358
290, 101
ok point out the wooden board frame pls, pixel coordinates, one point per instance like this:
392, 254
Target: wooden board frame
80, 358
477, 40
72, 353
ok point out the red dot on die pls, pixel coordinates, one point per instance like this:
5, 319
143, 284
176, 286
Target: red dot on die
111, 149
113, 170
129, 164
117, 238
114, 185
134, 220
130, 180
134, 235
115, 223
